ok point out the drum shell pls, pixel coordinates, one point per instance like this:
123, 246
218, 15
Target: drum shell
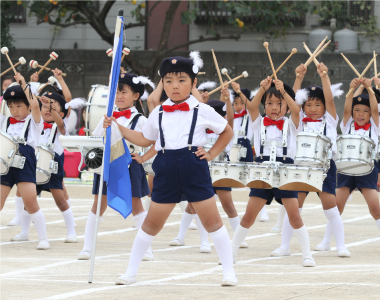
237, 151
96, 107
301, 178
7, 145
261, 176
312, 149
354, 154
43, 171
227, 174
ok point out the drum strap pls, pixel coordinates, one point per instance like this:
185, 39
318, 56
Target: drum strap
24, 131
192, 128
265, 142
52, 135
134, 121
367, 132
322, 129
244, 124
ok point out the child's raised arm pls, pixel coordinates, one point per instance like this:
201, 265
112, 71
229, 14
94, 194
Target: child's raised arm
293, 106
255, 102
301, 71
329, 99
225, 97
54, 113
372, 101
65, 89
348, 104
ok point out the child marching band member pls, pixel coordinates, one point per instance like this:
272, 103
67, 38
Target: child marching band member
179, 129
361, 117
204, 88
319, 115
129, 114
27, 129
276, 98
53, 111
241, 101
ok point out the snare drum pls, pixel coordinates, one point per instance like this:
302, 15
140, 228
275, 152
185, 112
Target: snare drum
96, 107
8, 151
45, 164
222, 156
301, 178
355, 154
261, 176
148, 164
227, 174
237, 152
312, 149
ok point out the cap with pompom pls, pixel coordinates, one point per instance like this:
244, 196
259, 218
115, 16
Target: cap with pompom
137, 83
190, 65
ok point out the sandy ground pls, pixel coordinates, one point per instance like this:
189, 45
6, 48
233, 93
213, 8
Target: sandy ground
183, 272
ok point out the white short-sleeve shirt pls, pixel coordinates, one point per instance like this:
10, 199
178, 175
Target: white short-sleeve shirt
273, 133
176, 125
331, 125
34, 132
346, 128
238, 126
57, 143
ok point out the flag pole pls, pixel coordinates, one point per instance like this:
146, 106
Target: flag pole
101, 182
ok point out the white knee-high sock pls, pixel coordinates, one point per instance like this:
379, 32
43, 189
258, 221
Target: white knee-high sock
303, 238
182, 205
234, 222
38, 219
328, 234
239, 236
185, 223
141, 244
69, 220
378, 223
139, 220
147, 203
287, 232
69, 202
19, 207
337, 227
89, 231
280, 216
26, 219
222, 245
202, 232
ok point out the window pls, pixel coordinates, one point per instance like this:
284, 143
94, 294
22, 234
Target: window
17, 13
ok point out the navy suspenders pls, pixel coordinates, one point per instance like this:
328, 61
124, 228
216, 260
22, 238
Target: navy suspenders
192, 128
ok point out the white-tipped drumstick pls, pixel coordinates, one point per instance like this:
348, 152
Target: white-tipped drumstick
21, 61
244, 74
294, 51
266, 45
53, 56
5, 51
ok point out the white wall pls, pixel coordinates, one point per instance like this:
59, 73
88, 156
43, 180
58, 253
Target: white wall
32, 36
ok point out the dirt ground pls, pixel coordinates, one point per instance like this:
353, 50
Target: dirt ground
183, 272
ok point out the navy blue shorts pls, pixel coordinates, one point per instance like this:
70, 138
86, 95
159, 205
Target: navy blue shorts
180, 172
139, 183
55, 181
269, 194
217, 188
368, 181
27, 174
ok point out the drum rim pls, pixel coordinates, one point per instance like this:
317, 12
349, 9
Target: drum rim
47, 149
355, 136
322, 136
38, 169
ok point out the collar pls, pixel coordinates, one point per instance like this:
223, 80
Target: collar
192, 102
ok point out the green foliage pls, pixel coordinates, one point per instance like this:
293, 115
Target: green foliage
6, 18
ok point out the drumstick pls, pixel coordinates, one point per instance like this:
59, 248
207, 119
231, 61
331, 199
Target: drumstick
266, 44
375, 65
217, 68
201, 73
34, 64
52, 55
5, 51
315, 52
225, 72
126, 51
244, 74
350, 64
21, 60
315, 60
294, 51
323, 48
109, 52
361, 76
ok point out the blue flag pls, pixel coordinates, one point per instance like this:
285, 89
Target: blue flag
116, 153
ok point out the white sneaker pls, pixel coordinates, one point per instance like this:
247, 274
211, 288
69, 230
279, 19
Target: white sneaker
43, 245
205, 249
275, 229
177, 242
322, 247
264, 217
15, 222
125, 280
148, 255
279, 252
71, 239
193, 226
308, 262
343, 253
19, 238
229, 280
84, 255
244, 245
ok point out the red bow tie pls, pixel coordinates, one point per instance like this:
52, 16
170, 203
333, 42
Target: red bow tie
278, 123
14, 121
47, 125
209, 131
310, 120
365, 127
182, 107
242, 114
125, 113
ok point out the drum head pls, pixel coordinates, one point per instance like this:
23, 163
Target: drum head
259, 184
3, 169
228, 182
41, 177
97, 108
353, 167
299, 186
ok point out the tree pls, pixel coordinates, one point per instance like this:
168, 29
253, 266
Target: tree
6, 18
260, 16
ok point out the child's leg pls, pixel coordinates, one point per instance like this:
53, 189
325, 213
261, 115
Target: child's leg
29, 196
280, 219
153, 223
372, 200
188, 215
263, 215
255, 204
61, 202
205, 245
19, 207
4, 192
212, 222
292, 208
148, 198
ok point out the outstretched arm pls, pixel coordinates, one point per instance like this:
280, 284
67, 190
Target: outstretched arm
348, 104
33, 102
301, 71
329, 99
372, 101
65, 88
255, 102
293, 106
